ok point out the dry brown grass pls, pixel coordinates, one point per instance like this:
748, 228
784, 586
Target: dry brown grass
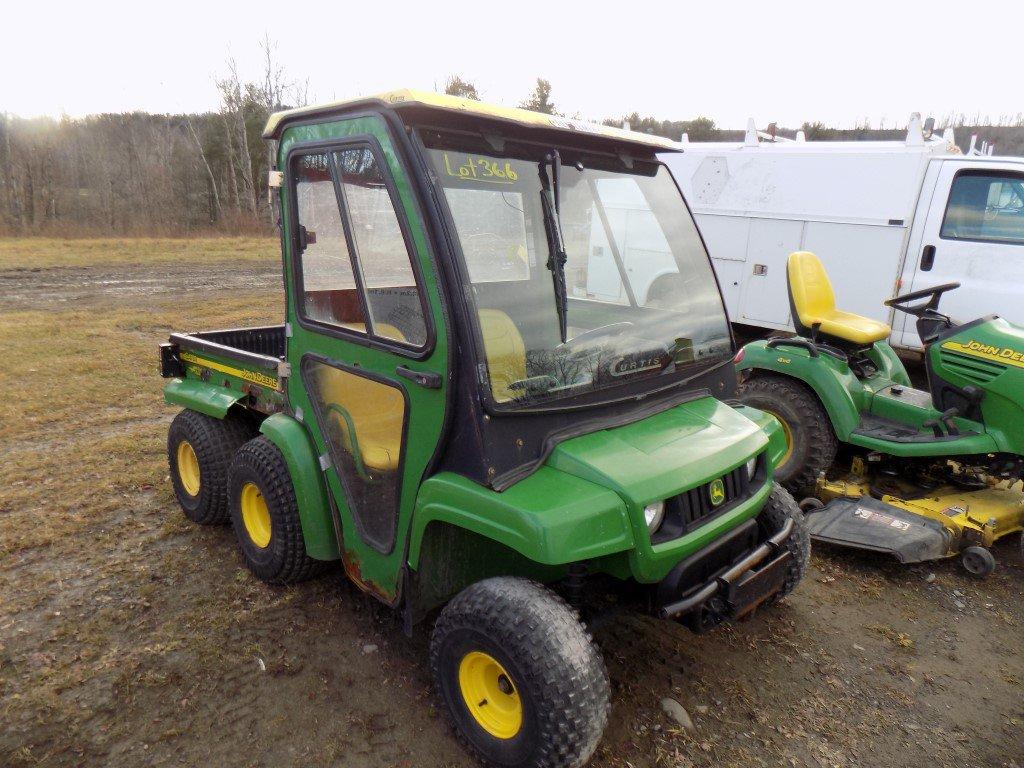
41, 252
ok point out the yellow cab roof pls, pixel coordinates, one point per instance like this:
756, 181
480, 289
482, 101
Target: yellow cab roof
455, 104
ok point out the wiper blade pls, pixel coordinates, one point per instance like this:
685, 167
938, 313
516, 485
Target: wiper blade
551, 205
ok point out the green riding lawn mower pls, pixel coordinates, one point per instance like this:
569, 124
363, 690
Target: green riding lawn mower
889, 468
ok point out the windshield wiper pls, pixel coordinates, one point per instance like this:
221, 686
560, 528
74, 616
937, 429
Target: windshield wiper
551, 205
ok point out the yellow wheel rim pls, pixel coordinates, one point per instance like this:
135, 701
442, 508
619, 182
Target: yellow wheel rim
787, 432
255, 515
490, 695
188, 468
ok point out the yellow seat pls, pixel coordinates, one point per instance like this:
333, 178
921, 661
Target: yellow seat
505, 352
814, 304
382, 329
369, 416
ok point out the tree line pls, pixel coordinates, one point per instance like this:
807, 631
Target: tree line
175, 175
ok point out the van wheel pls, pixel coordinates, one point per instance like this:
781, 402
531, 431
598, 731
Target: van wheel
199, 452
265, 515
811, 442
781, 506
522, 682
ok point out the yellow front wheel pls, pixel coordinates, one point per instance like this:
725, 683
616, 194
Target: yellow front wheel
521, 681
490, 695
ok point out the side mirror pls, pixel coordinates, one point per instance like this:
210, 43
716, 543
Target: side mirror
306, 238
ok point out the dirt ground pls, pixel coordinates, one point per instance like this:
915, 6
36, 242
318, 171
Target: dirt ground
129, 637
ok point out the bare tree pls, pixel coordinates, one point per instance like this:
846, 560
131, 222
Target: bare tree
206, 164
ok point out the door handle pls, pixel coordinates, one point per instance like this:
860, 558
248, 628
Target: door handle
927, 258
426, 379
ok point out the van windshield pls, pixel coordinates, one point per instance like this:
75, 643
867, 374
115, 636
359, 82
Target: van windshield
642, 301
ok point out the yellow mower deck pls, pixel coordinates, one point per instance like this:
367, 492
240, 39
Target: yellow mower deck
971, 518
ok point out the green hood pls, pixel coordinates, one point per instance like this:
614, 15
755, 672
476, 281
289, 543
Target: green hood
659, 456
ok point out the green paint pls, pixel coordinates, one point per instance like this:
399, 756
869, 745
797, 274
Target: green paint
845, 396
550, 517
200, 396
771, 427
292, 439
426, 407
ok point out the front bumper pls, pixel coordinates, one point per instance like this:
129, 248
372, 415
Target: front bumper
731, 591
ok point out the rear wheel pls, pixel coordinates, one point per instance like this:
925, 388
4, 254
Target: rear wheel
522, 682
265, 515
199, 452
811, 442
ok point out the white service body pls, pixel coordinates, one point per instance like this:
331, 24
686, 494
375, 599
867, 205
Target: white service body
869, 210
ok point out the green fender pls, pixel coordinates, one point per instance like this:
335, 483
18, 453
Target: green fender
549, 517
771, 427
291, 438
832, 380
200, 396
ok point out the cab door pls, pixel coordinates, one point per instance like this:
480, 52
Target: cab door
974, 235
368, 349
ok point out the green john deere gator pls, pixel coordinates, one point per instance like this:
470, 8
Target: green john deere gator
470, 406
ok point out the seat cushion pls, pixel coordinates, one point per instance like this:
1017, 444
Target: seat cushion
853, 328
505, 352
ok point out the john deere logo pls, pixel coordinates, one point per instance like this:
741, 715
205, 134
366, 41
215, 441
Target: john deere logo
717, 492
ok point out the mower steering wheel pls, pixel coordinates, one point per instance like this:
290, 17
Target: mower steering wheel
902, 303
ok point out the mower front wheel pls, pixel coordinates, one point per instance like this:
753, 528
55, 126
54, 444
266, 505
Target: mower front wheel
978, 561
520, 677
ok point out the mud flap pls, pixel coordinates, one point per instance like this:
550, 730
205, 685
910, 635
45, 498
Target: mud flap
867, 523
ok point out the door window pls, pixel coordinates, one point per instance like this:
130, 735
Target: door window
362, 420
354, 261
986, 206
329, 293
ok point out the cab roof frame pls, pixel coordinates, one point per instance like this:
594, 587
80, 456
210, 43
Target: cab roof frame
456, 110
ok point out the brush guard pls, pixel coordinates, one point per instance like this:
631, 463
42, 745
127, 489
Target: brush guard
738, 589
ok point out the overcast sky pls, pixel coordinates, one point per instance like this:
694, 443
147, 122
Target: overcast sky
783, 61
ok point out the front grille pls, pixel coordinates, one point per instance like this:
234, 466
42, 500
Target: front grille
693, 507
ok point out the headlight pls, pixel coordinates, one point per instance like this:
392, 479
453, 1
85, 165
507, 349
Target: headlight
751, 468
654, 513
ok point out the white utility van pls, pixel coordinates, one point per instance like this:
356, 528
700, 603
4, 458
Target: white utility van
884, 217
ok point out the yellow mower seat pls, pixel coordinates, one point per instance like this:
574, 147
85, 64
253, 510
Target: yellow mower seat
814, 303
505, 351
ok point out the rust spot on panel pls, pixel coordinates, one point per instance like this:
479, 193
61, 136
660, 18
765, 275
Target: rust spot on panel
350, 559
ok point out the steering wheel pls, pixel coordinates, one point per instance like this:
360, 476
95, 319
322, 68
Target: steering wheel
902, 303
612, 329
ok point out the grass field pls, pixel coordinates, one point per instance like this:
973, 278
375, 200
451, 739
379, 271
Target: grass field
129, 637
40, 252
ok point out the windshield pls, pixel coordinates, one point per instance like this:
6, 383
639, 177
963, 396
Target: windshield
642, 301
